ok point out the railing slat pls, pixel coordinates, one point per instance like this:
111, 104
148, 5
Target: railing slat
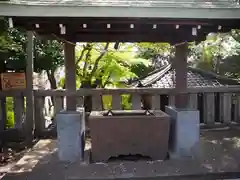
193, 101
171, 100
3, 113
237, 109
39, 115
209, 108
136, 101
162, 91
225, 107
116, 101
19, 115
235, 102
156, 102
97, 103
58, 104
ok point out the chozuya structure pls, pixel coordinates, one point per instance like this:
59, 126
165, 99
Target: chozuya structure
176, 22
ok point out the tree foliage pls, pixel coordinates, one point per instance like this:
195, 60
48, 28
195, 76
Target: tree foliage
219, 54
48, 54
100, 65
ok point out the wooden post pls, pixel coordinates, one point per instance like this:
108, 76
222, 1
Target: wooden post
39, 115
225, 107
136, 102
180, 66
116, 101
156, 102
97, 102
70, 70
29, 125
171, 100
3, 114
18, 111
209, 108
193, 101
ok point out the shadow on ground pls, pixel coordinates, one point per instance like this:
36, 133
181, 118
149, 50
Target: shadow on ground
219, 157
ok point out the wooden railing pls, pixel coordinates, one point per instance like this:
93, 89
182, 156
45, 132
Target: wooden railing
217, 105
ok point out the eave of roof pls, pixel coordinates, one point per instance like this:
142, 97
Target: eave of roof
153, 78
33, 8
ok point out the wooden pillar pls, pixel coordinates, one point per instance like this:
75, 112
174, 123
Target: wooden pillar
180, 66
70, 76
29, 125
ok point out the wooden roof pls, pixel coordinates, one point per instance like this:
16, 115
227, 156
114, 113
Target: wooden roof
137, 3
164, 78
124, 20
211, 9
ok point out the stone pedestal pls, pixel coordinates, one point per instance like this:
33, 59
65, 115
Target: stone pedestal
184, 132
70, 135
129, 133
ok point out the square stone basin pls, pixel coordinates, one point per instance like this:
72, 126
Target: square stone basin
135, 132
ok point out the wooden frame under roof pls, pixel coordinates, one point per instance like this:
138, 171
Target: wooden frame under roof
126, 21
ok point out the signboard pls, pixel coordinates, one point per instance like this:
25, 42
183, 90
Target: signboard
13, 80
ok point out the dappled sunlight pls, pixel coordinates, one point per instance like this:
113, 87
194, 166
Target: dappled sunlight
208, 167
215, 142
234, 140
31, 159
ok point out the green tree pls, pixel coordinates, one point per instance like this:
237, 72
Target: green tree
219, 54
155, 53
48, 54
101, 65
48, 57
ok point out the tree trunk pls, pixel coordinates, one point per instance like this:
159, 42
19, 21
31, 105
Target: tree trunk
52, 79
53, 82
87, 99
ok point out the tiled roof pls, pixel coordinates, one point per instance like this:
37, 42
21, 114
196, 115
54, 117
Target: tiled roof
135, 3
164, 78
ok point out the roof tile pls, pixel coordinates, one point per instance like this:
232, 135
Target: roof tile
195, 78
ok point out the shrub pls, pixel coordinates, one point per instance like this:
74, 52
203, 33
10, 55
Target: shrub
10, 112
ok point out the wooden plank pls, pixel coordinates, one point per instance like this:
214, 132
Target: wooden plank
39, 115
225, 107
171, 100
237, 108
209, 108
235, 103
3, 113
58, 104
156, 102
13, 93
160, 91
116, 101
29, 89
136, 102
97, 103
19, 114
193, 101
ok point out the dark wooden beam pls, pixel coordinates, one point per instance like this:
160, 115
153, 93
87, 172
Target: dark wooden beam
29, 125
65, 20
70, 73
123, 38
180, 66
143, 31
